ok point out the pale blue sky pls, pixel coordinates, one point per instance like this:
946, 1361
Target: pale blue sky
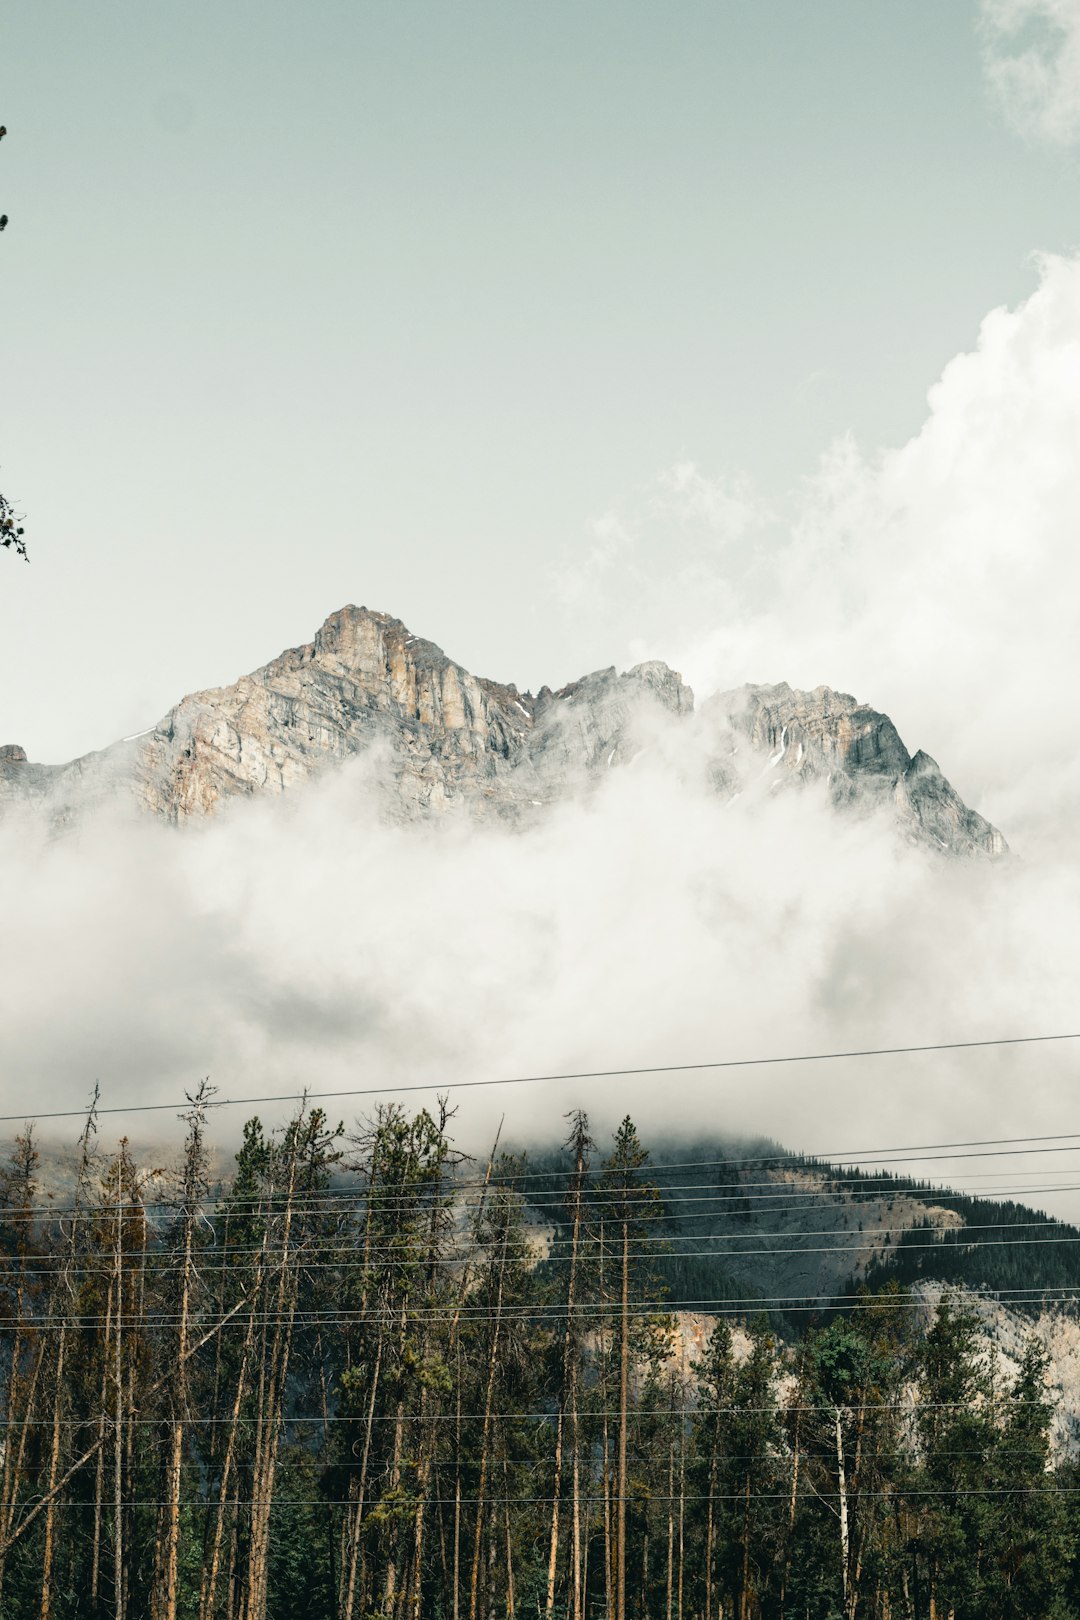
390, 302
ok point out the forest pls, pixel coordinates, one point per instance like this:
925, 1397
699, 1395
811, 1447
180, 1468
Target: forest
364, 1376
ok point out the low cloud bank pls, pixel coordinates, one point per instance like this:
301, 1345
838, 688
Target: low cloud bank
307, 942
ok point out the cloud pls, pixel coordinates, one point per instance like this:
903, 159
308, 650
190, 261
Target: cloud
309, 942
678, 539
938, 581
727, 508
1031, 58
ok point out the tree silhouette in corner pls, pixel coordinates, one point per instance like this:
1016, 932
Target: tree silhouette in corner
11, 530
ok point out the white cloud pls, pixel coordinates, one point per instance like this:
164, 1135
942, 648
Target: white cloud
727, 508
305, 942
679, 539
939, 581
1031, 57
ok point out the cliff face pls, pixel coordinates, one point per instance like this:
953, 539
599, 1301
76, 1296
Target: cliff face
831, 737
364, 682
448, 738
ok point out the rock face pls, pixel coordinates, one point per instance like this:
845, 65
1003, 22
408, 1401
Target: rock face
448, 738
1007, 1332
830, 736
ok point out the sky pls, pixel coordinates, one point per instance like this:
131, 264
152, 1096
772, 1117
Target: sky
742, 335
398, 304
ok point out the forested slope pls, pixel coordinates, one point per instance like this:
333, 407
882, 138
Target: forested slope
751, 1221
369, 1378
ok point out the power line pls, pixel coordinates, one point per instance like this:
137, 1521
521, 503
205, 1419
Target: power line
269, 1210
554, 1214
934, 1492
540, 1314
384, 1255
543, 1079
586, 1416
331, 1199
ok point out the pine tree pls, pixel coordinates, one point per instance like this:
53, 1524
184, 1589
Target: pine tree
630, 1206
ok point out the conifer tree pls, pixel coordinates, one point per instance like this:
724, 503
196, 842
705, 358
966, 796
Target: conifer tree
630, 1205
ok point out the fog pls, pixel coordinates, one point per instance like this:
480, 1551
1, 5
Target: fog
308, 942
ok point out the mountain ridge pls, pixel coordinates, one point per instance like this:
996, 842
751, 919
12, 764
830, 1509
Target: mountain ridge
455, 739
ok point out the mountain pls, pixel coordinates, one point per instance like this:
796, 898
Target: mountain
450, 738
858, 753
753, 1227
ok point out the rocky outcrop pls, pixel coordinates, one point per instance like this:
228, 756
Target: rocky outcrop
365, 682
858, 753
1007, 1331
443, 738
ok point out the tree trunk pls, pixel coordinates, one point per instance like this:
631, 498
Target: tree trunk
176, 1446
208, 1596
841, 1479
16, 1459
485, 1436
744, 1593
682, 1513
671, 1529
624, 1401
510, 1608
358, 1511
266, 1448
99, 1471
789, 1544
585, 1558
54, 1466
569, 1360
21, 1388
390, 1579
457, 1490
710, 1521
428, 1424
609, 1542
118, 1417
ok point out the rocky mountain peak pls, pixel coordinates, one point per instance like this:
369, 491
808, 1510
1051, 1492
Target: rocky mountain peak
451, 739
859, 754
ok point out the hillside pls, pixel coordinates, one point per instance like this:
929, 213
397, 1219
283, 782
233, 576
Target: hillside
384, 1352
750, 1221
